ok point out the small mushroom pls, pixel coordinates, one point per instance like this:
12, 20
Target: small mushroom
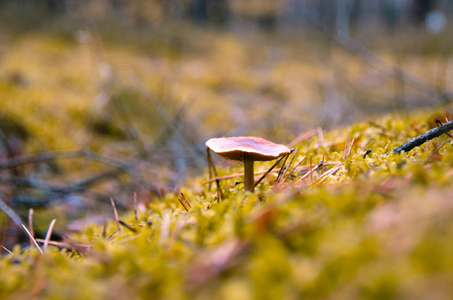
247, 149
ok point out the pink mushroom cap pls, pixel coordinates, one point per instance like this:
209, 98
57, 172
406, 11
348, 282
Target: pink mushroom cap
247, 148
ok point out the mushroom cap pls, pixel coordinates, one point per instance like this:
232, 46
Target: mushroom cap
246, 148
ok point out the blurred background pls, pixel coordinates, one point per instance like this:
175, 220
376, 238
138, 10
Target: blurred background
116, 97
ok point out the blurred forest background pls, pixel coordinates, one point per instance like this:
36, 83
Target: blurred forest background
112, 97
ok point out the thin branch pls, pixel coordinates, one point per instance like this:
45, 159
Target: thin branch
129, 167
421, 139
128, 226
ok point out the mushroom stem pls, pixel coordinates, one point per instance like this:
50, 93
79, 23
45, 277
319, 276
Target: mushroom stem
249, 178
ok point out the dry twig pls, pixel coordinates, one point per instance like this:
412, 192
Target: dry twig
421, 139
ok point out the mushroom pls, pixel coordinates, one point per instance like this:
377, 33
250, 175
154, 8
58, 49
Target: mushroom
247, 149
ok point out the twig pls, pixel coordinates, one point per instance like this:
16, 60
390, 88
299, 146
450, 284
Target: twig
128, 226
129, 167
49, 233
421, 139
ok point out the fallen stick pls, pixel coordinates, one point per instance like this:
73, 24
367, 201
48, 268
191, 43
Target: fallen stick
421, 139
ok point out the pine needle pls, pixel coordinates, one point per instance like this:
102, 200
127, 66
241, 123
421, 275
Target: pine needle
115, 212
32, 238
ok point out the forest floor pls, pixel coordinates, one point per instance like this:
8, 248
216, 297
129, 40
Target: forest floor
96, 101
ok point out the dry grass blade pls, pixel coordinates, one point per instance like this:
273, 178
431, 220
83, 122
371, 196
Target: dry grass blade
115, 212
32, 238
309, 172
297, 165
6, 249
326, 174
74, 246
49, 233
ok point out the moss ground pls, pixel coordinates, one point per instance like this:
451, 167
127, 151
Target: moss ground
379, 227
373, 227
